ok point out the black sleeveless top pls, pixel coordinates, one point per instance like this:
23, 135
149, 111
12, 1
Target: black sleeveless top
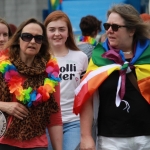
115, 121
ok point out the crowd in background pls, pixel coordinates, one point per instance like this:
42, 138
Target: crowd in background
62, 93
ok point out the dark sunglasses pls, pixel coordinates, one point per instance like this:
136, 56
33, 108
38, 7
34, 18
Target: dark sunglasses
114, 27
27, 37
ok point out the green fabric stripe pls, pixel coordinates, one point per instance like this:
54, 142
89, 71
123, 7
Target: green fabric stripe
97, 56
100, 61
124, 66
144, 58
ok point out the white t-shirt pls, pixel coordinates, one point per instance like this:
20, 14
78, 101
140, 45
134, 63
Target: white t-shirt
72, 68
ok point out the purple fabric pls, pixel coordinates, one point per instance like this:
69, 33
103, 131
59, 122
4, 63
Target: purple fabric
115, 56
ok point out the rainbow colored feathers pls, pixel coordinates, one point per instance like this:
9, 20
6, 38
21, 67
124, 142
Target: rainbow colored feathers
87, 39
29, 96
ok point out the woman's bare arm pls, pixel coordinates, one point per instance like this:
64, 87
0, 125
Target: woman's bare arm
86, 120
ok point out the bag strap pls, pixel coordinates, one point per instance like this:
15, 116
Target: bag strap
133, 80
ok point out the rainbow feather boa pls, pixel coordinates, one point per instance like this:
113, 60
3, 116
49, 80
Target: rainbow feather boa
29, 96
87, 39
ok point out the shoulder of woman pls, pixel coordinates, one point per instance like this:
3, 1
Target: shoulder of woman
78, 54
86, 46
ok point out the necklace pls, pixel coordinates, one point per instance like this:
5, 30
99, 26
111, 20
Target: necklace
129, 52
87, 39
29, 96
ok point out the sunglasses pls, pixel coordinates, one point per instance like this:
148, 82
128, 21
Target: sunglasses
114, 27
27, 37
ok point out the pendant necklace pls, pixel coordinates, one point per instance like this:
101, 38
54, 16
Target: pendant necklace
127, 53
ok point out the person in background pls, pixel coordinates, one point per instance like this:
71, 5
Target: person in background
13, 28
145, 17
103, 37
5, 33
29, 90
90, 27
72, 65
119, 72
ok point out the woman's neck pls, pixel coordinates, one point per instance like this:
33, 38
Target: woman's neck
59, 51
128, 51
27, 60
128, 56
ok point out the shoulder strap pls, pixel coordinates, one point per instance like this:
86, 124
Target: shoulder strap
133, 80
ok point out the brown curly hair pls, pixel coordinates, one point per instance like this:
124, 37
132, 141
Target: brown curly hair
89, 25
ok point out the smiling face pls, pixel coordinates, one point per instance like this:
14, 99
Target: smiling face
31, 48
4, 35
57, 32
122, 38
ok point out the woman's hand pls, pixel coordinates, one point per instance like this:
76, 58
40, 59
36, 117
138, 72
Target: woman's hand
15, 109
87, 143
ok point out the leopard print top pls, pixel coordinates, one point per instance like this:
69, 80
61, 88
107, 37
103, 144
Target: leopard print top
39, 117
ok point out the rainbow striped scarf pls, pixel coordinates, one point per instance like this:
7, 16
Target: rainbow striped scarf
105, 61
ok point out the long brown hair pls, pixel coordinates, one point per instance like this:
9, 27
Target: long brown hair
13, 43
56, 15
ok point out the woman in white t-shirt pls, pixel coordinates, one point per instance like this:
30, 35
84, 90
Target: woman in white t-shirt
72, 63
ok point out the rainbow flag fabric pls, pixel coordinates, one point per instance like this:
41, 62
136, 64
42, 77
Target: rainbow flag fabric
55, 4
103, 62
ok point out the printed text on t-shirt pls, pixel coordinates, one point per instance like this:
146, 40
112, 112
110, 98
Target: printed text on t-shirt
67, 72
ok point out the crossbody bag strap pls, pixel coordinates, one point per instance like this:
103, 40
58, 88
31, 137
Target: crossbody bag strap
133, 80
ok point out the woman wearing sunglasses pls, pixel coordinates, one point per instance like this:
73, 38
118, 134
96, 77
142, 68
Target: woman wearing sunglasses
72, 64
118, 75
29, 90
5, 33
